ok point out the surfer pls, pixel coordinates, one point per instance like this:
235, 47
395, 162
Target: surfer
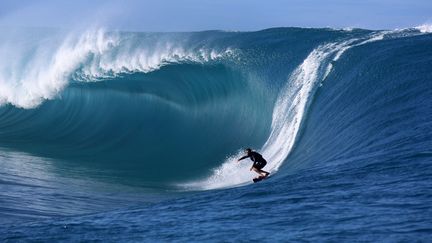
259, 163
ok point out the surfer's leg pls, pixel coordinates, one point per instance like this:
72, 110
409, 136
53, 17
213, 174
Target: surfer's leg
264, 173
261, 172
259, 167
258, 171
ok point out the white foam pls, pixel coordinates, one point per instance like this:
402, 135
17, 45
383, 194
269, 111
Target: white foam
41, 72
348, 29
229, 174
33, 71
424, 28
143, 59
349, 44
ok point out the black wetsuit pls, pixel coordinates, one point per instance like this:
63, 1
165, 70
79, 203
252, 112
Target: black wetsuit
259, 161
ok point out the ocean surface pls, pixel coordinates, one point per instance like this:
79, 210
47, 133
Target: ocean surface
122, 136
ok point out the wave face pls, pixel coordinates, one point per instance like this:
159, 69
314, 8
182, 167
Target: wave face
170, 112
153, 108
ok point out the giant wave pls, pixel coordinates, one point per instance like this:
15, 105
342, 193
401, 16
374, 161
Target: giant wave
104, 127
170, 109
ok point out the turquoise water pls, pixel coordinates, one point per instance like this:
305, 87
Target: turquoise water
134, 136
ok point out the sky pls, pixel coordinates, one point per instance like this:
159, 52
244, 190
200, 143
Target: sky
195, 15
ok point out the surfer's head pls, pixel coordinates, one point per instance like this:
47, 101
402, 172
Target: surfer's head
248, 150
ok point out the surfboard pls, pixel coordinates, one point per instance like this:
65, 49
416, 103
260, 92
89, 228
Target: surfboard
255, 180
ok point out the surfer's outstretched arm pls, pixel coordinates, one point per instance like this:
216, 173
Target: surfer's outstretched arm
244, 157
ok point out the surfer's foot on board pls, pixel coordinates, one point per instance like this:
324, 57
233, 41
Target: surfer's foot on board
261, 177
265, 174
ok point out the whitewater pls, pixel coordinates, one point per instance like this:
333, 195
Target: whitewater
140, 133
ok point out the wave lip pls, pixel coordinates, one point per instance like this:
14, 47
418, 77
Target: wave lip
43, 70
43, 67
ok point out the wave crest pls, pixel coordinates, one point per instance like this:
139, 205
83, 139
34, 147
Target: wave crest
424, 28
41, 68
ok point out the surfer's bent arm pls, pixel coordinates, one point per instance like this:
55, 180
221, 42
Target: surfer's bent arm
244, 157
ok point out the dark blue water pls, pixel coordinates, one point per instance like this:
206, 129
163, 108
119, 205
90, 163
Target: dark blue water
134, 136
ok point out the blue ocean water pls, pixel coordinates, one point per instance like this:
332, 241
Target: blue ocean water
116, 136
